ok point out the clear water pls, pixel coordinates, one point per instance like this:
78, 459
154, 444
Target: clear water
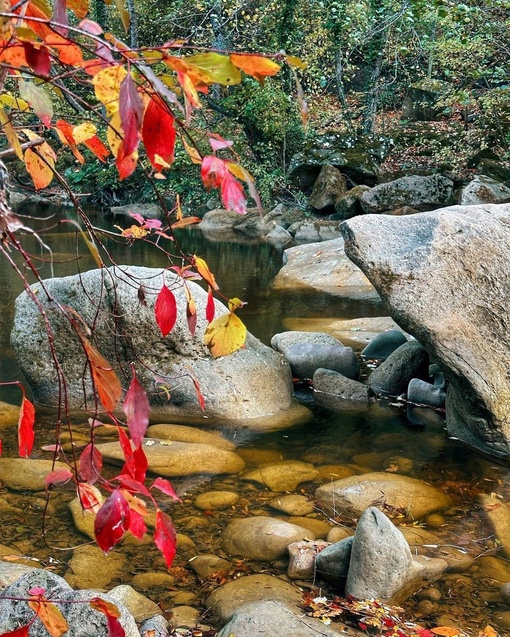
380, 439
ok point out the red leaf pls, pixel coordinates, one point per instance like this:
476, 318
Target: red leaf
91, 463
112, 613
232, 194
125, 162
19, 632
112, 521
165, 487
96, 146
125, 445
38, 59
136, 408
165, 537
131, 114
213, 171
140, 464
59, 476
158, 134
165, 310
26, 435
200, 397
137, 525
132, 485
209, 308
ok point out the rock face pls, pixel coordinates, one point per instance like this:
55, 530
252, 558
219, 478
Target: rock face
356, 493
483, 190
252, 383
325, 267
420, 101
444, 277
422, 193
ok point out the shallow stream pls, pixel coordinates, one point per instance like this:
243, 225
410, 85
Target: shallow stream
379, 439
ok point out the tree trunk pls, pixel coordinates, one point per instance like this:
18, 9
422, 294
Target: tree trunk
133, 24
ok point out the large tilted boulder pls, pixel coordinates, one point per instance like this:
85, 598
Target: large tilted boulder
253, 385
445, 278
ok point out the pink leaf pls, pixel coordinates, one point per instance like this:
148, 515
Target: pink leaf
165, 487
91, 463
136, 408
26, 435
165, 310
112, 521
209, 308
131, 114
213, 171
57, 477
37, 590
232, 194
218, 143
165, 537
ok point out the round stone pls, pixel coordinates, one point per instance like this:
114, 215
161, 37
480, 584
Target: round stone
215, 500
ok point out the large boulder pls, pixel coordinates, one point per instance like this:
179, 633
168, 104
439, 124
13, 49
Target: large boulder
482, 190
420, 103
444, 277
250, 385
328, 188
420, 192
324, 267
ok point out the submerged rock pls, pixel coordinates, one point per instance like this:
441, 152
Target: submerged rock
282, 476
27, 474
250, 385
444, 277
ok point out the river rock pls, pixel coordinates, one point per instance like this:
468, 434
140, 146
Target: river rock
182, 433
482, 190
356, 493
319, 528
328, 188
253, 383
27, 474
393, 375
206, 565
91, 568
146, 210
315, 230
292, 504
422, 193
282, 476
279, 236
282, 341
261, 618
139, 606
305, 358
215, 500
224, 601
381, 564
302, 559
261, 538
350, 392
147, 581
9, 415
423, 393
332, 563
455, 263
176, 459
497, 513
349, 205
219, 223
384, 344
324, 267
11, 571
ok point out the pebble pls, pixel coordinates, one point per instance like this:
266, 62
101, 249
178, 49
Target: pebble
426, 607
206, 565
338, 533
503, 619
215, 500
292, 505
319, 528
431, 594
146, 581
183, 598
435, 520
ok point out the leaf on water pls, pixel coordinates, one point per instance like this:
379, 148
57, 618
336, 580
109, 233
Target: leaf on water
165, 310
26, 435
225, 335
91, 463
105, 379
112, 521
136, 408
165, 537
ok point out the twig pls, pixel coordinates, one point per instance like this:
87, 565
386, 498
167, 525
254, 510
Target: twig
31, 144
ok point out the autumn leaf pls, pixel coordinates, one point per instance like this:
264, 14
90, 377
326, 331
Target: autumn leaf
105, 379
112, 521
165, 537
91, 463
191, 311
210, 307
225, 335
232, 194
213, 171
257, 66
68, 52
158, 134
19, 632
38, 59
38, 99
488, 631
65, 132
80, 8
50, 615
136, 408
90, 497
203, 269
165, 487
446, 631
11, 134
58, 477
107, 86
211, 68
165, 310
112, 613
26, 435
131, 114
41, 173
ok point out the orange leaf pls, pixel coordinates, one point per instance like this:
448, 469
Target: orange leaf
225, 335
488, 631
68, 52
96, 146
186, 221
205, 273
41, 173
446, 631
106, 381
80, 8
50, 616
257, 66
13, 55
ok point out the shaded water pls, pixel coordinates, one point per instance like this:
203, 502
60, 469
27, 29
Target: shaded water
380, 439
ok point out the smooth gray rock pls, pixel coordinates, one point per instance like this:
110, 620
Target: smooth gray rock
482, 190
383, 345
313, 231
332, 563
147, 210
327, 382
279, 236
422, 193
302, 559
394, 374
252, 383
444, 277
423, 393
305, 358
281, 341
265, 618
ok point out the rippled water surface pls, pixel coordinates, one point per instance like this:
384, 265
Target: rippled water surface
379, 439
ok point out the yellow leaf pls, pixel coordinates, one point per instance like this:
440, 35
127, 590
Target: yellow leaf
446, 631
235, 303
84, 132
295, 62
225, 335
255, 65
40, 171
14, 102
10, 133
113, 133
238, 171
206, 68
79, 7
107, 87
205, 273
193, 153
124, 14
